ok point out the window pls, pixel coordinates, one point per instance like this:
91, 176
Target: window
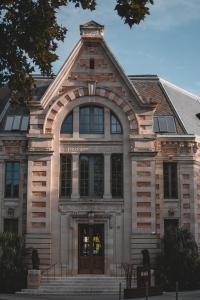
16, 123
115, 125
67, 125
170, 180
170, 224
12, 176
92, 175
65, 175
164, 124
91, 120
92, 63
117, 175
11, 225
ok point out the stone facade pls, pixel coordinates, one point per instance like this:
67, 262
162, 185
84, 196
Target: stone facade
131, 223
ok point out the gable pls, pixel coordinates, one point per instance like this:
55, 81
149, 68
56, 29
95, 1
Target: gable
107, 73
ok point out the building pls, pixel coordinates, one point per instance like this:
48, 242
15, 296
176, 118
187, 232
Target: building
100, 163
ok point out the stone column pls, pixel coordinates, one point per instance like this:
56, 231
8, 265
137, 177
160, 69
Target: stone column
76, 122
107, 123
107, 176
75, 173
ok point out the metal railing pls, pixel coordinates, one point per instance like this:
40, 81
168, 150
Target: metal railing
55, 270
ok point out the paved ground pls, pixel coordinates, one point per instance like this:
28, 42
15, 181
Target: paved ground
194, 295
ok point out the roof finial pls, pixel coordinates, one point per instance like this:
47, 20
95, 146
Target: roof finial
92, 29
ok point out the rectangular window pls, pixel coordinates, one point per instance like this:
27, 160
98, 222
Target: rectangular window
65, 175
117, 175
170, 224
11, 225
12, 177
170, 180
91, 120
91, 175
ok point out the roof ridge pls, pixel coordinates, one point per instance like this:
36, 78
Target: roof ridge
182, 90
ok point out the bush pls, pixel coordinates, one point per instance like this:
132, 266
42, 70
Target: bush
12, 262
178, 261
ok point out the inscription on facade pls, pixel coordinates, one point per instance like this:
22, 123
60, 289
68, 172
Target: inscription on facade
74, 149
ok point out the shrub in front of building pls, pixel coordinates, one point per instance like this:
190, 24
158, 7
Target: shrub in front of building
179, 261
13, 270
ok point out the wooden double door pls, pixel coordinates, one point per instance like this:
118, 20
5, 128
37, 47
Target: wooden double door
91, 248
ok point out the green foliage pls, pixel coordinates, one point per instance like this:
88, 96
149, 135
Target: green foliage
133, 11
29, 34
179, 260
12, 262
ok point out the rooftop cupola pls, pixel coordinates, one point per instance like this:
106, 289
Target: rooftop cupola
92, 29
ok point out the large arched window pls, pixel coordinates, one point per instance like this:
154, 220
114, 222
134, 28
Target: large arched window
91, 120
115, 125
67, 125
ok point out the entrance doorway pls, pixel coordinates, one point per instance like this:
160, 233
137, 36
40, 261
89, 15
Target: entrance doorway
91, 249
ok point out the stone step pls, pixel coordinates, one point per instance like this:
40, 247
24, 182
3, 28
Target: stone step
80, 285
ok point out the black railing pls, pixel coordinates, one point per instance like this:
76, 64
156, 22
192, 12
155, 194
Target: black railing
55, 270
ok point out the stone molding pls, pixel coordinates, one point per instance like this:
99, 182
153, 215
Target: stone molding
83, 92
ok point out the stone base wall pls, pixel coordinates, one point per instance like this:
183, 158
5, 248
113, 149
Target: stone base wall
43, 243
140, 242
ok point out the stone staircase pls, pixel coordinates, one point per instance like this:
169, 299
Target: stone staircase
77, 285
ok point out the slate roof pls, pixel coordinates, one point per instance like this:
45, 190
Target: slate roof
41, 84
186, 105
172, 100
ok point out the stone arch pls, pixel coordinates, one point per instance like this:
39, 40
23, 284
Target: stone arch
83, 92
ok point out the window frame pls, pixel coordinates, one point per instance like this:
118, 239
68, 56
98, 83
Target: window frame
121, 193
91, 121
117, 119
70, 114
91, 176
157, 124
168, 191
12, 192
65, 195
14, 220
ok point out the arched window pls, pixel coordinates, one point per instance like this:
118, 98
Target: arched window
91, 120
67, 125
115, 125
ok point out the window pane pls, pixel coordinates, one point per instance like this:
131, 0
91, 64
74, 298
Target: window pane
117, 175
91, 120
170, 180
12, 179
115, 124
166, 180
98, 175
155, 124
92, 175
66, 175
171, 127
84, 175
174, 181
67, 125
11, 225
162, 124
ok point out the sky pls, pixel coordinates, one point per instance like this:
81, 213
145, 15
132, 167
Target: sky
167, 43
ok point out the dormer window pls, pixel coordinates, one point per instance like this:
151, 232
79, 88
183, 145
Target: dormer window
92, 63
164, 124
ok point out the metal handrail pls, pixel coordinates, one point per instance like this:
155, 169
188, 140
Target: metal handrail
53, 268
